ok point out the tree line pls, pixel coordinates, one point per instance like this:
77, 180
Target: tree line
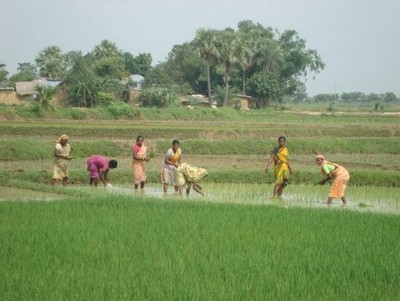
250, 60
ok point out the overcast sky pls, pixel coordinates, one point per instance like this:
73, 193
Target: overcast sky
359, 40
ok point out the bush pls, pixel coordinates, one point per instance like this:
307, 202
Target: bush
121, 109
159, 97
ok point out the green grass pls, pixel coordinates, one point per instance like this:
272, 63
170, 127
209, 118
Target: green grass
128, 249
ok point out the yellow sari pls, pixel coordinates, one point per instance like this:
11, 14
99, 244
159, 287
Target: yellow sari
281, 169
176, 156
187, 174
168, 172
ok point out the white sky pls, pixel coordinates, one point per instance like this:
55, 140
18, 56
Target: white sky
359, 40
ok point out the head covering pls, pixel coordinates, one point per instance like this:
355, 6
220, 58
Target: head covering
321, 157
113, 164
62, 137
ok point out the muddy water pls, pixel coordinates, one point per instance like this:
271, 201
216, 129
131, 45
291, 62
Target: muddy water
19, 194
219, 194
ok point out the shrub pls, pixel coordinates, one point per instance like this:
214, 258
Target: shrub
159, 97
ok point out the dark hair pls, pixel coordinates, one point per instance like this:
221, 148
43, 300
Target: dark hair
175, 142
113, 164
281, 137
138, 137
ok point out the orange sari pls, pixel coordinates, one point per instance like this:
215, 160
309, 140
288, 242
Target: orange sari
139, 172
340, 178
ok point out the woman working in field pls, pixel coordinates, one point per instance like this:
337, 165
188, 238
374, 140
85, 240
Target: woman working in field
62, 154
170, 163
279, 156
188, 176
98, 167
338, 174
139, 158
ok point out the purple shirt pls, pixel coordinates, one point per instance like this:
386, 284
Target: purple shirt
100, 161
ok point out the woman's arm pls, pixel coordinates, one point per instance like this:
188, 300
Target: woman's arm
269, 162
58, 154
328, 177
167, 161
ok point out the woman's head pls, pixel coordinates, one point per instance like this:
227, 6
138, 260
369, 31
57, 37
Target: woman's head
139, 140
112, 164
175, 144
282, 141
319, 159
63, 139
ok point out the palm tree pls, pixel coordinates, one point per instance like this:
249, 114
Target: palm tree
106, 49
51, 63
227, 54
270, 56
245, 57
206, 46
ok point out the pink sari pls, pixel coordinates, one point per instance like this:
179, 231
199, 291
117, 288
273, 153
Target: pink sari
139, 173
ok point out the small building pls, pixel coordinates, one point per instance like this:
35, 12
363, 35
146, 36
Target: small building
29, 88
22, 91
197, 100
9, 97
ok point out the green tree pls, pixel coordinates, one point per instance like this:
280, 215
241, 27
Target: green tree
26, 72
227, 56
82, 83
108, 60
205, 43
50, 62
266, 87
45, 94
71, 57
140, 64
106, 49
143, 61
3, 72
245, 57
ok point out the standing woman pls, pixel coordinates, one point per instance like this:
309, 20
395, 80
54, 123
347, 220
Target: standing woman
139, 157
62, 154
280, 158
171, 162
338, 174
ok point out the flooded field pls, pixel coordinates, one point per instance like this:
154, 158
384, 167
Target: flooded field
363, 199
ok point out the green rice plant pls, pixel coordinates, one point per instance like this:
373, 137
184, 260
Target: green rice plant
34, 149
296, 146
116, 247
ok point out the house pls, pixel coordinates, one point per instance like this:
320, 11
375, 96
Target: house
133, 86
197, 100
22, 91
9, 97
29, 88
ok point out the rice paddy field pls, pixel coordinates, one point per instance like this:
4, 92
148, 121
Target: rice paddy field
235, 243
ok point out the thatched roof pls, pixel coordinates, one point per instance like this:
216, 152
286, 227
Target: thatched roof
29, 88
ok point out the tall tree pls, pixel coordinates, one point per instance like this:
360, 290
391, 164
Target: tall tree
206, 45
143, 61
140, 64
27, 67
3, 72
106, 49
82, 83
245, 56
50, 62
227, 56
71, 57
108, 60
26, 72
